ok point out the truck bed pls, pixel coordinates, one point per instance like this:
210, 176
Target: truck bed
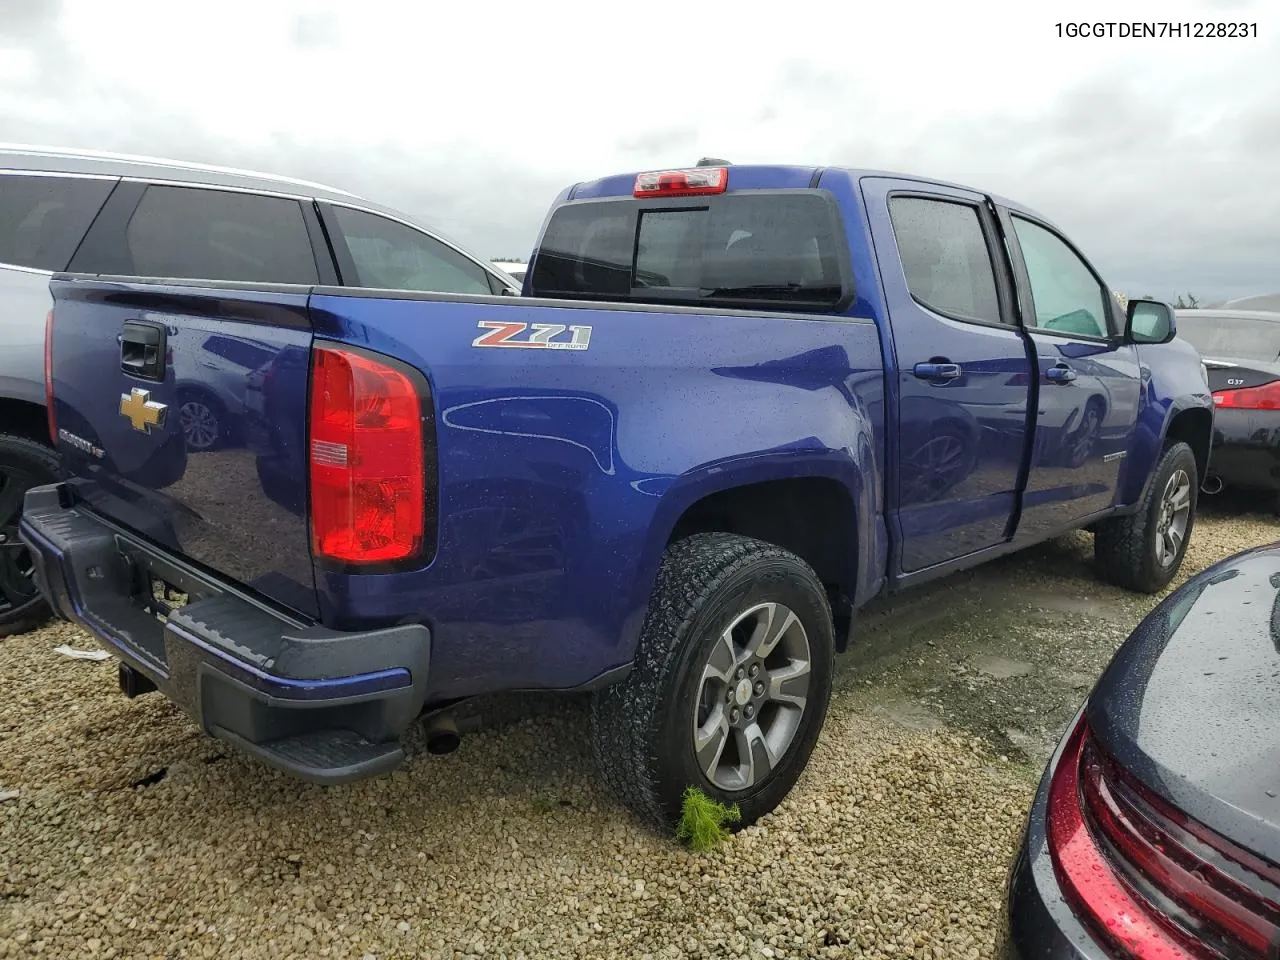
561, 468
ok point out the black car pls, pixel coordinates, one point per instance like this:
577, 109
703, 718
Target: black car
1241, 350
1156, 829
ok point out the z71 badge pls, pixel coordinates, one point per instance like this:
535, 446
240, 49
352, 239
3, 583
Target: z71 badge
541, 336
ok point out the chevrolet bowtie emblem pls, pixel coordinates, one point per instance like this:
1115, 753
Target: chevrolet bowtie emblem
143, 412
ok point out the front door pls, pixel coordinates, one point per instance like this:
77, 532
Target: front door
1087, 380
963, 370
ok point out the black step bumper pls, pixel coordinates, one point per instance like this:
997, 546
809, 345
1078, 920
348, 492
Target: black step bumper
324, 705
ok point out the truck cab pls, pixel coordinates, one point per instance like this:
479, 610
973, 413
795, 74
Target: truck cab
1019, 402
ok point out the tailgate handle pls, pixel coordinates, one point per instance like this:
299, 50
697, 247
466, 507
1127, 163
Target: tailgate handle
142, 350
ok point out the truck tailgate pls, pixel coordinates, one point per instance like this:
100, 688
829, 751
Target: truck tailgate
159, 411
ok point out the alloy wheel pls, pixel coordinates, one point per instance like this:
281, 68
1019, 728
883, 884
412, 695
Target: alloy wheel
1173, 518
752, 695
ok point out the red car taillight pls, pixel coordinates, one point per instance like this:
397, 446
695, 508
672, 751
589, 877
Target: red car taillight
48, 378
1265, 397
1154, 884
367, 459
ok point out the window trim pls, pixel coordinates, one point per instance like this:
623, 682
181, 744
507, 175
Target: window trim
1027, 309
1000, 266
321, 247
62, 175
844, 256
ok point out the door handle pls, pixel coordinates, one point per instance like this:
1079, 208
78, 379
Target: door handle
941, 370
142, 350
1060, 373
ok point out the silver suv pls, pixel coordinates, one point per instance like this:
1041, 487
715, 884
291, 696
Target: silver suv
136, 216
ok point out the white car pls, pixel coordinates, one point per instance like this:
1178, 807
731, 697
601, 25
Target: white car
514, 269
89, 212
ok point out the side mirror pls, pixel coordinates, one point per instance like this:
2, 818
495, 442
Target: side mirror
1150, 321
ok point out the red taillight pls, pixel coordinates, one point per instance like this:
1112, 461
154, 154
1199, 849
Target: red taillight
368, 479
695, 182
48, 379
1265, 397
1128, 862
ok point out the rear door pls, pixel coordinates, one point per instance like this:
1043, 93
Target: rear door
963, 367
151, 383
1087, 380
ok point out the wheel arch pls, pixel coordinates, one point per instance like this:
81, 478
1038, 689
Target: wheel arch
25, 419
1194, 427
816, 514
1189, 420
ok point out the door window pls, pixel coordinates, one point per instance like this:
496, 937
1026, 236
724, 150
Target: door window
195, 234
390, 256
945, 257
42, 219
1068, 297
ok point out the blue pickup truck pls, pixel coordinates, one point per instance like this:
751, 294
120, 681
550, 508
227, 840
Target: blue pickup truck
732, 405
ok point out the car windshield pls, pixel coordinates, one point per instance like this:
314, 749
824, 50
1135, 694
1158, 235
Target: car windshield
1241, 337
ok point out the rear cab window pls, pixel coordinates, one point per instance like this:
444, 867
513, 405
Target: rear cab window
43, 218
776, 249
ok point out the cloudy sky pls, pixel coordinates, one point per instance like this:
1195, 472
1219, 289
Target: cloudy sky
1159, 157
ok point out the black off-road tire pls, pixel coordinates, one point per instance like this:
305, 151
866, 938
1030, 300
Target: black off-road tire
642, 726
1124, 548
36, 464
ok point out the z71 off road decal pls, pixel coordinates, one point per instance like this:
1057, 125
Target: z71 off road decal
541, 336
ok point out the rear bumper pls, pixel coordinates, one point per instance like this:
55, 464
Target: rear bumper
1246, 448
324, 705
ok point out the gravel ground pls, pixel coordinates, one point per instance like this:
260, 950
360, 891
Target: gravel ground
132, 835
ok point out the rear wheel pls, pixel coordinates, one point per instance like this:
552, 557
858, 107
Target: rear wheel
1143, 550
730, 683
23, 464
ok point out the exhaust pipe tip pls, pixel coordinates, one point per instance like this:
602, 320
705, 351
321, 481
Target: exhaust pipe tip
1212, 485
442, 735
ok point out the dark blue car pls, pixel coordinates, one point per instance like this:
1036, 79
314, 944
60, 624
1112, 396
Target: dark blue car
732, 405
1155, 834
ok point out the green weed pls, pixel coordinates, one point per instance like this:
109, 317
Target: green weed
702, 821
